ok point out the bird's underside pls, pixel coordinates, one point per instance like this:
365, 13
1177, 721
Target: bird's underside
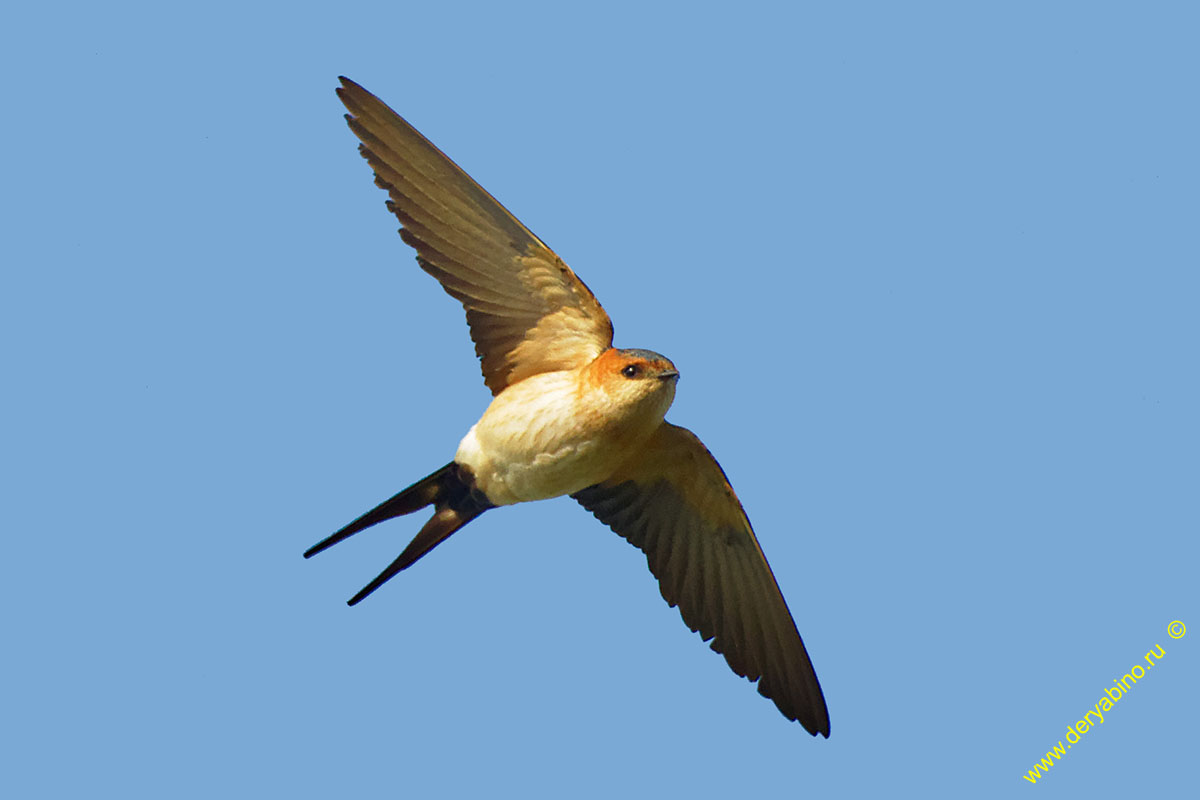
587, 415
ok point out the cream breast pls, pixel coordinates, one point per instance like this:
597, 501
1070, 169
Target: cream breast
554, 434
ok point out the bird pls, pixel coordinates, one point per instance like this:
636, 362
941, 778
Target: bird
571, 415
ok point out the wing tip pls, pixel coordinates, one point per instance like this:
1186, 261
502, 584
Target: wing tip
348, 85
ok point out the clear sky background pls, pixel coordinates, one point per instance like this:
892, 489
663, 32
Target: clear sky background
929, 271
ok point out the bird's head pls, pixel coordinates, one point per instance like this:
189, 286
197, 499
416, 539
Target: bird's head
641, 381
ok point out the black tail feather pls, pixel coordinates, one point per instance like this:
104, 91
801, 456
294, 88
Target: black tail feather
437, 530
451, 491
422, 493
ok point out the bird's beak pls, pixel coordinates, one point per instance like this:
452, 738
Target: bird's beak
667, 374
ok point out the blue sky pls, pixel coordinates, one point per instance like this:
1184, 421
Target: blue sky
930, 274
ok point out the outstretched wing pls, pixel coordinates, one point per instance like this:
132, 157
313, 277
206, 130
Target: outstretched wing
673, 501
527, 310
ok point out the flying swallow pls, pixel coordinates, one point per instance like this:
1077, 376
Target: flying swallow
572, 415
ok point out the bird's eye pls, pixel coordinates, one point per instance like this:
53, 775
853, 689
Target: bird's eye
630, 371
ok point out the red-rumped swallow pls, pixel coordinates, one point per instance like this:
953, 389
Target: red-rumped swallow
572, 415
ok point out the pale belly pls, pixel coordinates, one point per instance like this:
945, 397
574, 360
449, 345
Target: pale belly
539, 439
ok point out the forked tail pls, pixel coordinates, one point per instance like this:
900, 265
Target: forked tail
456, 501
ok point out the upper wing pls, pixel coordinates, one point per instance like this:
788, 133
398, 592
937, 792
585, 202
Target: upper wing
527, 310
673, 501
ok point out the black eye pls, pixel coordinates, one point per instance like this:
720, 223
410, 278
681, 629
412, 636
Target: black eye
631, 371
